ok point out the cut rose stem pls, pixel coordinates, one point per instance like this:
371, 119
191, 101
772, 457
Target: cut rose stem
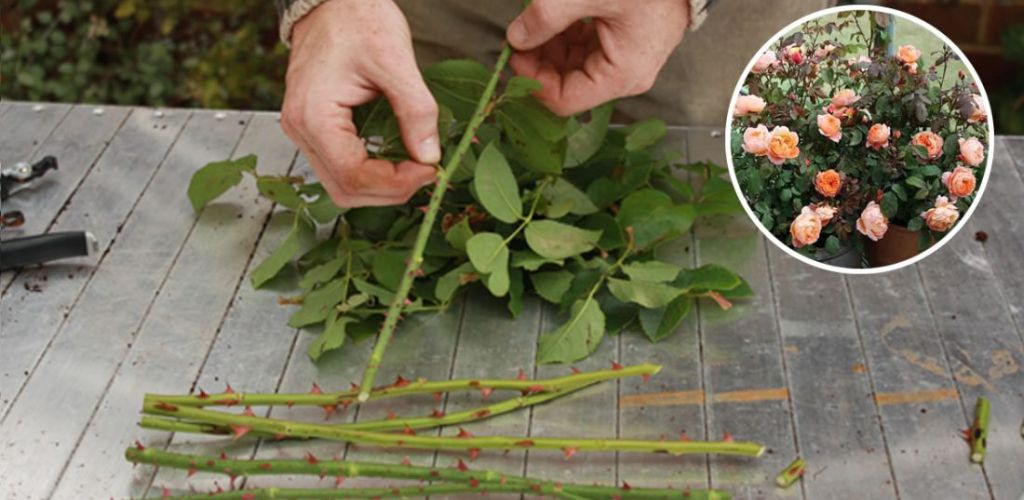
484, 480
292, 429
483, 108
403, 387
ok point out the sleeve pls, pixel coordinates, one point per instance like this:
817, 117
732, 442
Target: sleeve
698, 12
290, 12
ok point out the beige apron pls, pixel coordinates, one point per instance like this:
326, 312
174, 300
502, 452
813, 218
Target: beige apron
693, 88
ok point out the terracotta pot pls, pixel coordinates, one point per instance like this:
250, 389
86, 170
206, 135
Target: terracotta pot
898, 245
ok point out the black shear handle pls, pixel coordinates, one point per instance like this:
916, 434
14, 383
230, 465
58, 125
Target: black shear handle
20, 252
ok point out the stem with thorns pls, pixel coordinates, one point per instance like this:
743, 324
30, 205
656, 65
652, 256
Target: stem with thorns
286, 428
403, 387
484, 480
979, 430
483, 108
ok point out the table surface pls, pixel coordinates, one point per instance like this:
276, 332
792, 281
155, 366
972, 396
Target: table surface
869, 378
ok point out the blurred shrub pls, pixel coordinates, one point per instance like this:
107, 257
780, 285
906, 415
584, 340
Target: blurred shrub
213, 53
1008, 100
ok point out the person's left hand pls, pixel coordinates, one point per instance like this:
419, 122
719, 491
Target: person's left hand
588, 52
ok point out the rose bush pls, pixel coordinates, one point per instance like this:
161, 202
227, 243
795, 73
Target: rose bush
829, 123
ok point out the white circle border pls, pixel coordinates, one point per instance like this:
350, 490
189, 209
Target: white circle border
990, 152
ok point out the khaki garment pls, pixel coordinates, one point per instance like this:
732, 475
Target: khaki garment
693, 88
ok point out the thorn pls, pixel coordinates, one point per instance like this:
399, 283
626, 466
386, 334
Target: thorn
575, 371
964, 433
501, 481
248, 412
463, 433
328, 411
166, 407
474, 482
391, 415
139, 446
191, 471
338, 480
289, 404
626, 486
408, 302
482, 413
727, 438
202, 394
409, 431
311, 459
683, 436
533, 389
229, 389
315, 389
423, 208
568, 452
239, 431
405, 461
616, 366
526, 443
645, 378
521, 375
280, 436
354, 386
400, 382
437, 398
486, 391
473, 453
223, 456
249, 496
165, 493
266, 466
437, 413
462, 466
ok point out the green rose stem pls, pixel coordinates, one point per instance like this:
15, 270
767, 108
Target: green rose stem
795, 470
483, 108
404, 387
978, 436
479, 480
408, 439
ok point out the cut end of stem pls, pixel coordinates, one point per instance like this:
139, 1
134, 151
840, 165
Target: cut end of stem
363, 396
977, 458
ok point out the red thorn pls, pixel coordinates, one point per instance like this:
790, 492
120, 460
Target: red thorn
219, 489
474, 453
501, 481
575, 371
486, 391
616, 366
409, 431
966, 434
482, 413
354, 386
289, 404
400, 382
166, 406
568, 452
328, 411
280, 436
727, 438
315, 389
626, 486
338, 480
405, 461
210, 463
191, 471
474, 482
437, 413
202, 394
463, 433
437, 398
646, 378
223, 456
391, 415
248, 412
462, 466
311, 459
229, 389
139, 446
239, 431
423, 208
266, 466
521, 375
526, 443
683, 436
533, 389
165, 493
249, 496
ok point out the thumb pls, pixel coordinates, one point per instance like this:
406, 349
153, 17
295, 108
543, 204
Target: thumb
415, 109
541, 21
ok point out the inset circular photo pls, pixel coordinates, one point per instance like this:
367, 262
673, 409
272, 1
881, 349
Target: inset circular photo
859, 139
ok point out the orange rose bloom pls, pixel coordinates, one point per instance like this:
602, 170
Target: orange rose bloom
782, 145
930, 141
828, 183
908, 54
806, 228
830, 127
878, 136
960, 182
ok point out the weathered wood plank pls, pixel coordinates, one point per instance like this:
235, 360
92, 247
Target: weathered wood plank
915, 393
44, 424
837, 426
984, 347
1016, 147
746, 384
214, 257
34, 309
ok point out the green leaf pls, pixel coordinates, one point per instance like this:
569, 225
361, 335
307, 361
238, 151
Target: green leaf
333, 337
316, 305
515, 292
216, 178
521, 86
662, 322
654, 271
742, 291
645, 293
832, 244
301, 237
487, 252
643, 134
457, 84
322, 273
322, 209
459, 234
388, 267
612, 235
536, 135
552, 285
555, 240
915, 181
707, 277
563, 192
530, 261
496, 186
450, 282
653, 217
498, 281
278, 190
889, 204
586, 139
577, 338
383, 295
915, 224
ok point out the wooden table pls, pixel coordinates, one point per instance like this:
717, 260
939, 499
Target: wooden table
869, 378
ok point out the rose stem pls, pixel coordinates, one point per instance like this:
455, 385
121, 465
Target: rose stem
795, 470
403, 387
483, 108
285, 428
392, 424
487, 480
979, 431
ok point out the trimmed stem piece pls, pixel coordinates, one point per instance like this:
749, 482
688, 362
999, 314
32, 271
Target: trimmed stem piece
979, 431
794, 471
483, 108
477, 481
285, 429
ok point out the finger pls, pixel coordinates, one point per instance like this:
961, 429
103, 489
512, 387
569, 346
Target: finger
329, 183
542, 20
414, 107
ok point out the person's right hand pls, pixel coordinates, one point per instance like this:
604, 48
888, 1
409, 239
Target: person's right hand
346, 53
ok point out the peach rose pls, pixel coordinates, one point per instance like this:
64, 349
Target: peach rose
979, 110
930, 141
755, 140
764, 62
908, 54
806, 228
878, 136
942, 217
844, 98
960, 182
782, 145
794, 54
972, 151
828, 183
824, 212
822, 52
911, 68
747, 104
872, 222
830, 127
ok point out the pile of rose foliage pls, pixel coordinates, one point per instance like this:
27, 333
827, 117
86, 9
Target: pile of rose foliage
566, 208
834, 142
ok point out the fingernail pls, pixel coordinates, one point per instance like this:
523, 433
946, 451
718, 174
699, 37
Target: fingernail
429, 151
517, 32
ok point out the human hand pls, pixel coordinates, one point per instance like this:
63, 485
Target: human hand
582, 64
346, 53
